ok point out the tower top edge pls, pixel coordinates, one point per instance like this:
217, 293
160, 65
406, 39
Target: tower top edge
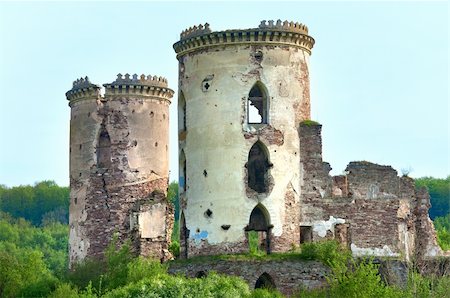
270, 32
144, 80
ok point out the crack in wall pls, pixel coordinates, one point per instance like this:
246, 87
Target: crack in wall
105, 190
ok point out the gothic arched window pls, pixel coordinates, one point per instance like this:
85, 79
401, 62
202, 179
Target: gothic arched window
257, 105
258, 166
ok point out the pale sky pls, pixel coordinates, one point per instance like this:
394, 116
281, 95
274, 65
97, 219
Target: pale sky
379, 74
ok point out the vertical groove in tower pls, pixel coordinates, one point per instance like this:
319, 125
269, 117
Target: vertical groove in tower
242, 95
119, 166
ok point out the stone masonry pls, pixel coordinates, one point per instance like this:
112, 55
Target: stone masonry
119, 166
250, 162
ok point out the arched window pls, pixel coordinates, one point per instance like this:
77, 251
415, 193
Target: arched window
265, 281
181, 112
104, 149
182, 181
258, 166
257, 105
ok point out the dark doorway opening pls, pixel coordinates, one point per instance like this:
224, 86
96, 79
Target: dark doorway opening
184, 236
265, 281
258, 230
306, 234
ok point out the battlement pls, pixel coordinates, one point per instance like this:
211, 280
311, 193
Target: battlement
268, 33
82, 87
195, 31
134, 79
287, 26
139, 85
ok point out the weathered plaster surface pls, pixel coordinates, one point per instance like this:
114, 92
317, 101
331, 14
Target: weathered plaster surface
135, 118
218, 138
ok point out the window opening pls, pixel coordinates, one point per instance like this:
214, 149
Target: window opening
182, 112
183, 173
104, 149
257, 106
305, 234
258, 166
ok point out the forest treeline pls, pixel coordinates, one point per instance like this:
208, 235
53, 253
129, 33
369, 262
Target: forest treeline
34, 257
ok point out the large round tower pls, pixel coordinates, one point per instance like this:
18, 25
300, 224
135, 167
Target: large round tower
242, 95
119, 166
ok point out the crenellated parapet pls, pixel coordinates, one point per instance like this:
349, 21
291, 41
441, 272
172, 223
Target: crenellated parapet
82, 88
286, 26
268, 33
139, 85
195, 31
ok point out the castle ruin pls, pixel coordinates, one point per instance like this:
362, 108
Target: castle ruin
250, 159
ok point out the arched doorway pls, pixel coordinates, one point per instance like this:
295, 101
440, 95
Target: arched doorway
259, 226
265, 281
184, 236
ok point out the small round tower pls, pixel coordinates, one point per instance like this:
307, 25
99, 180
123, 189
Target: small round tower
119, 166
242, 95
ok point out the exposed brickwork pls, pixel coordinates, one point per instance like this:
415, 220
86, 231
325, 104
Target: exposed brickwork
378, 207
203, 248
116, 166
268, 134
291, 225
288, 276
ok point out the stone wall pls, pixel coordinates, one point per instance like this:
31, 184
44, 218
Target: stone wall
287, 276
383, 214
118, 159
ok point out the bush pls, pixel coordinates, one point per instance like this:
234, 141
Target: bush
174, 248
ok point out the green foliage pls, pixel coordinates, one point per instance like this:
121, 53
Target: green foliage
439, 190
176, 231
140, 268
213, 285
42, 203
117, 264
426, 287
172, 196
442, 222
329, 252
174, 248
65, 290
87, 273
265, 293
51, 240
253, 244
309, 123
442, 226
443, 238
23, 272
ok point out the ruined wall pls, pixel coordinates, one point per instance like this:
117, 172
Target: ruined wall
217, 71
119, 157
287, 276
370, 208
